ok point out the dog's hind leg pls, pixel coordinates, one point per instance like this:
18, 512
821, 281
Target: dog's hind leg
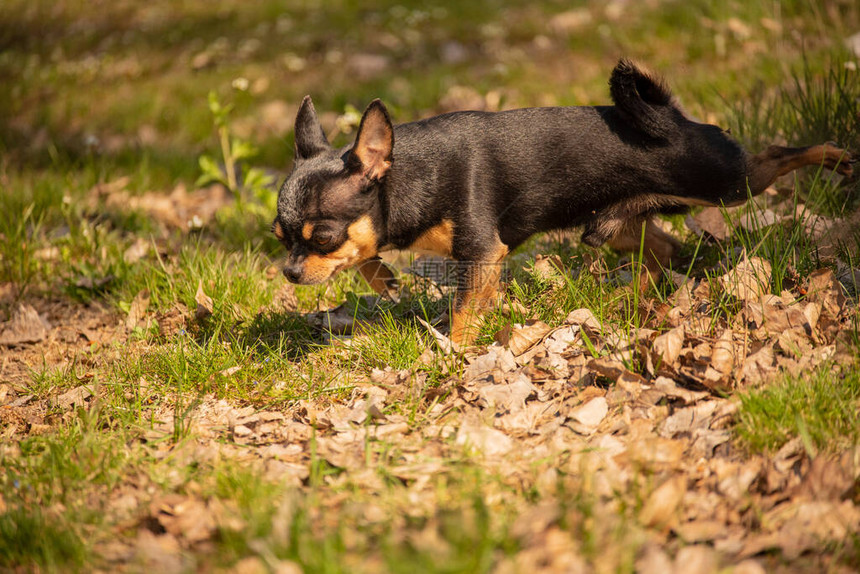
659, 247
765, 167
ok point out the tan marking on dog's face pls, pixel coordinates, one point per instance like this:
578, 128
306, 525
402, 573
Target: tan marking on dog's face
359, 246
308, 230
438, 239
278, 230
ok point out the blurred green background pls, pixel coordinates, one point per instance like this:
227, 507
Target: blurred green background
125, 82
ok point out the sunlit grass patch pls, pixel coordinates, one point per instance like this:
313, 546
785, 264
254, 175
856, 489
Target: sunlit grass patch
819, 103
392, 341
183, 371
236, 281
821, 408
52, 467
46, 381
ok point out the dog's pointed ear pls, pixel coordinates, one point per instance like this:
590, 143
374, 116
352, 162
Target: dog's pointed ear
374, 144
310, 138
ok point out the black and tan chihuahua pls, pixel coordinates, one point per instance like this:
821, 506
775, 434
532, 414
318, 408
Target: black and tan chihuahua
473, 186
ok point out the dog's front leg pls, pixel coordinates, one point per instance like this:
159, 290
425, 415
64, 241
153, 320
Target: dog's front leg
477, 293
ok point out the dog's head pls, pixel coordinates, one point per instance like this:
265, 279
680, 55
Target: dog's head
328, 208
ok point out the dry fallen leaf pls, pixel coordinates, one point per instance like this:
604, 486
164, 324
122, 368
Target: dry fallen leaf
723, 357
585, 318
607, 367
700, 531
752, 219
824, 288
758, 366
777, 318
561, 338
205, 305
653, 560
344, 450
711, 221
684, 421
475, 434
671, 390
667, 347
73, 398
549, 268
830, 477
696, 559
524, 338
137, 309
445, 344
508, 396
748, 280
660, 510
136, 251
25, 326
184, 517
587, 417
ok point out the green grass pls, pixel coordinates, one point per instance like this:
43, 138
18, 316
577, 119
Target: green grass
819, 407
55, 488
275, 523
821, 103
30, 539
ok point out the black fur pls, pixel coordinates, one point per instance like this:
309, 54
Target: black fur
505, 176
521, 171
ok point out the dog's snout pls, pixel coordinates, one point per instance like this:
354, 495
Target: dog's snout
293, 273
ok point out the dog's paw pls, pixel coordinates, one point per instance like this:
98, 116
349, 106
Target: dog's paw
839, 160
846, 166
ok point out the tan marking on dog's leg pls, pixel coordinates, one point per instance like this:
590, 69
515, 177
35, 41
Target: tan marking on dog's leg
379, 276
776, 161
438, 239
477, 292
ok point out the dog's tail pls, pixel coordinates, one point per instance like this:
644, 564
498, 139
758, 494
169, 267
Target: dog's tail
643, 99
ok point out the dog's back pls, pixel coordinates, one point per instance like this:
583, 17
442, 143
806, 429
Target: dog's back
535, 169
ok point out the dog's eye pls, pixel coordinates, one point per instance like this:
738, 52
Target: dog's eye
322, 238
